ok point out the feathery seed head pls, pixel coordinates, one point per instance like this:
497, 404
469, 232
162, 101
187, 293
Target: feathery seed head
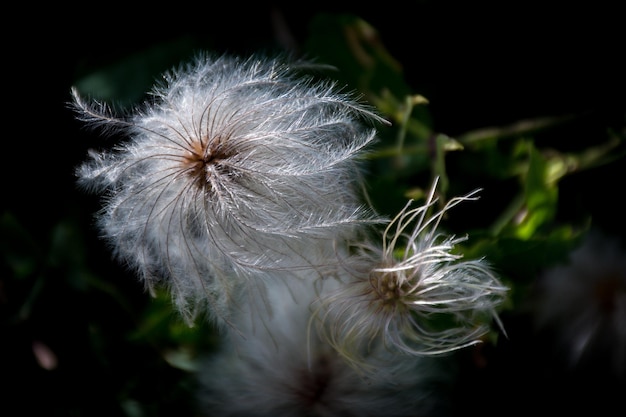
236, 168
412, 293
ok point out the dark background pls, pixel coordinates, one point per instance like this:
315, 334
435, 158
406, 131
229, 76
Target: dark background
479, 63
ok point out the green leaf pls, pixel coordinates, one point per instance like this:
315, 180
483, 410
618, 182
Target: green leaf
541, 195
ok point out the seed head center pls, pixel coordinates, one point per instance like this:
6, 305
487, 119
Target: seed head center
389, 285
202, 159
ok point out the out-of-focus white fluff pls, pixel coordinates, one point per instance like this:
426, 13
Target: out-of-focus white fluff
284, 369
581, 303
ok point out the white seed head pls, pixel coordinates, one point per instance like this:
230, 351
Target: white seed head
235, 169
411, 293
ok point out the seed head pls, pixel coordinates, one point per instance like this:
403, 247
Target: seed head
237, 168
411, 293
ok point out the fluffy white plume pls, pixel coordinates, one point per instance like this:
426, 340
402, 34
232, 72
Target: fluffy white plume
237, 168
411, 292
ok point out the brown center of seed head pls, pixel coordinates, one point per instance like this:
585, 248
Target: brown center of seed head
389, 286
202, 158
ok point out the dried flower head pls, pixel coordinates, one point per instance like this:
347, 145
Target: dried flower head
412, 293
282, 370
236, 165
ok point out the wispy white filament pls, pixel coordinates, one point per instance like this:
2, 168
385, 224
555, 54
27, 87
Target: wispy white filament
412, 293
236, 168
